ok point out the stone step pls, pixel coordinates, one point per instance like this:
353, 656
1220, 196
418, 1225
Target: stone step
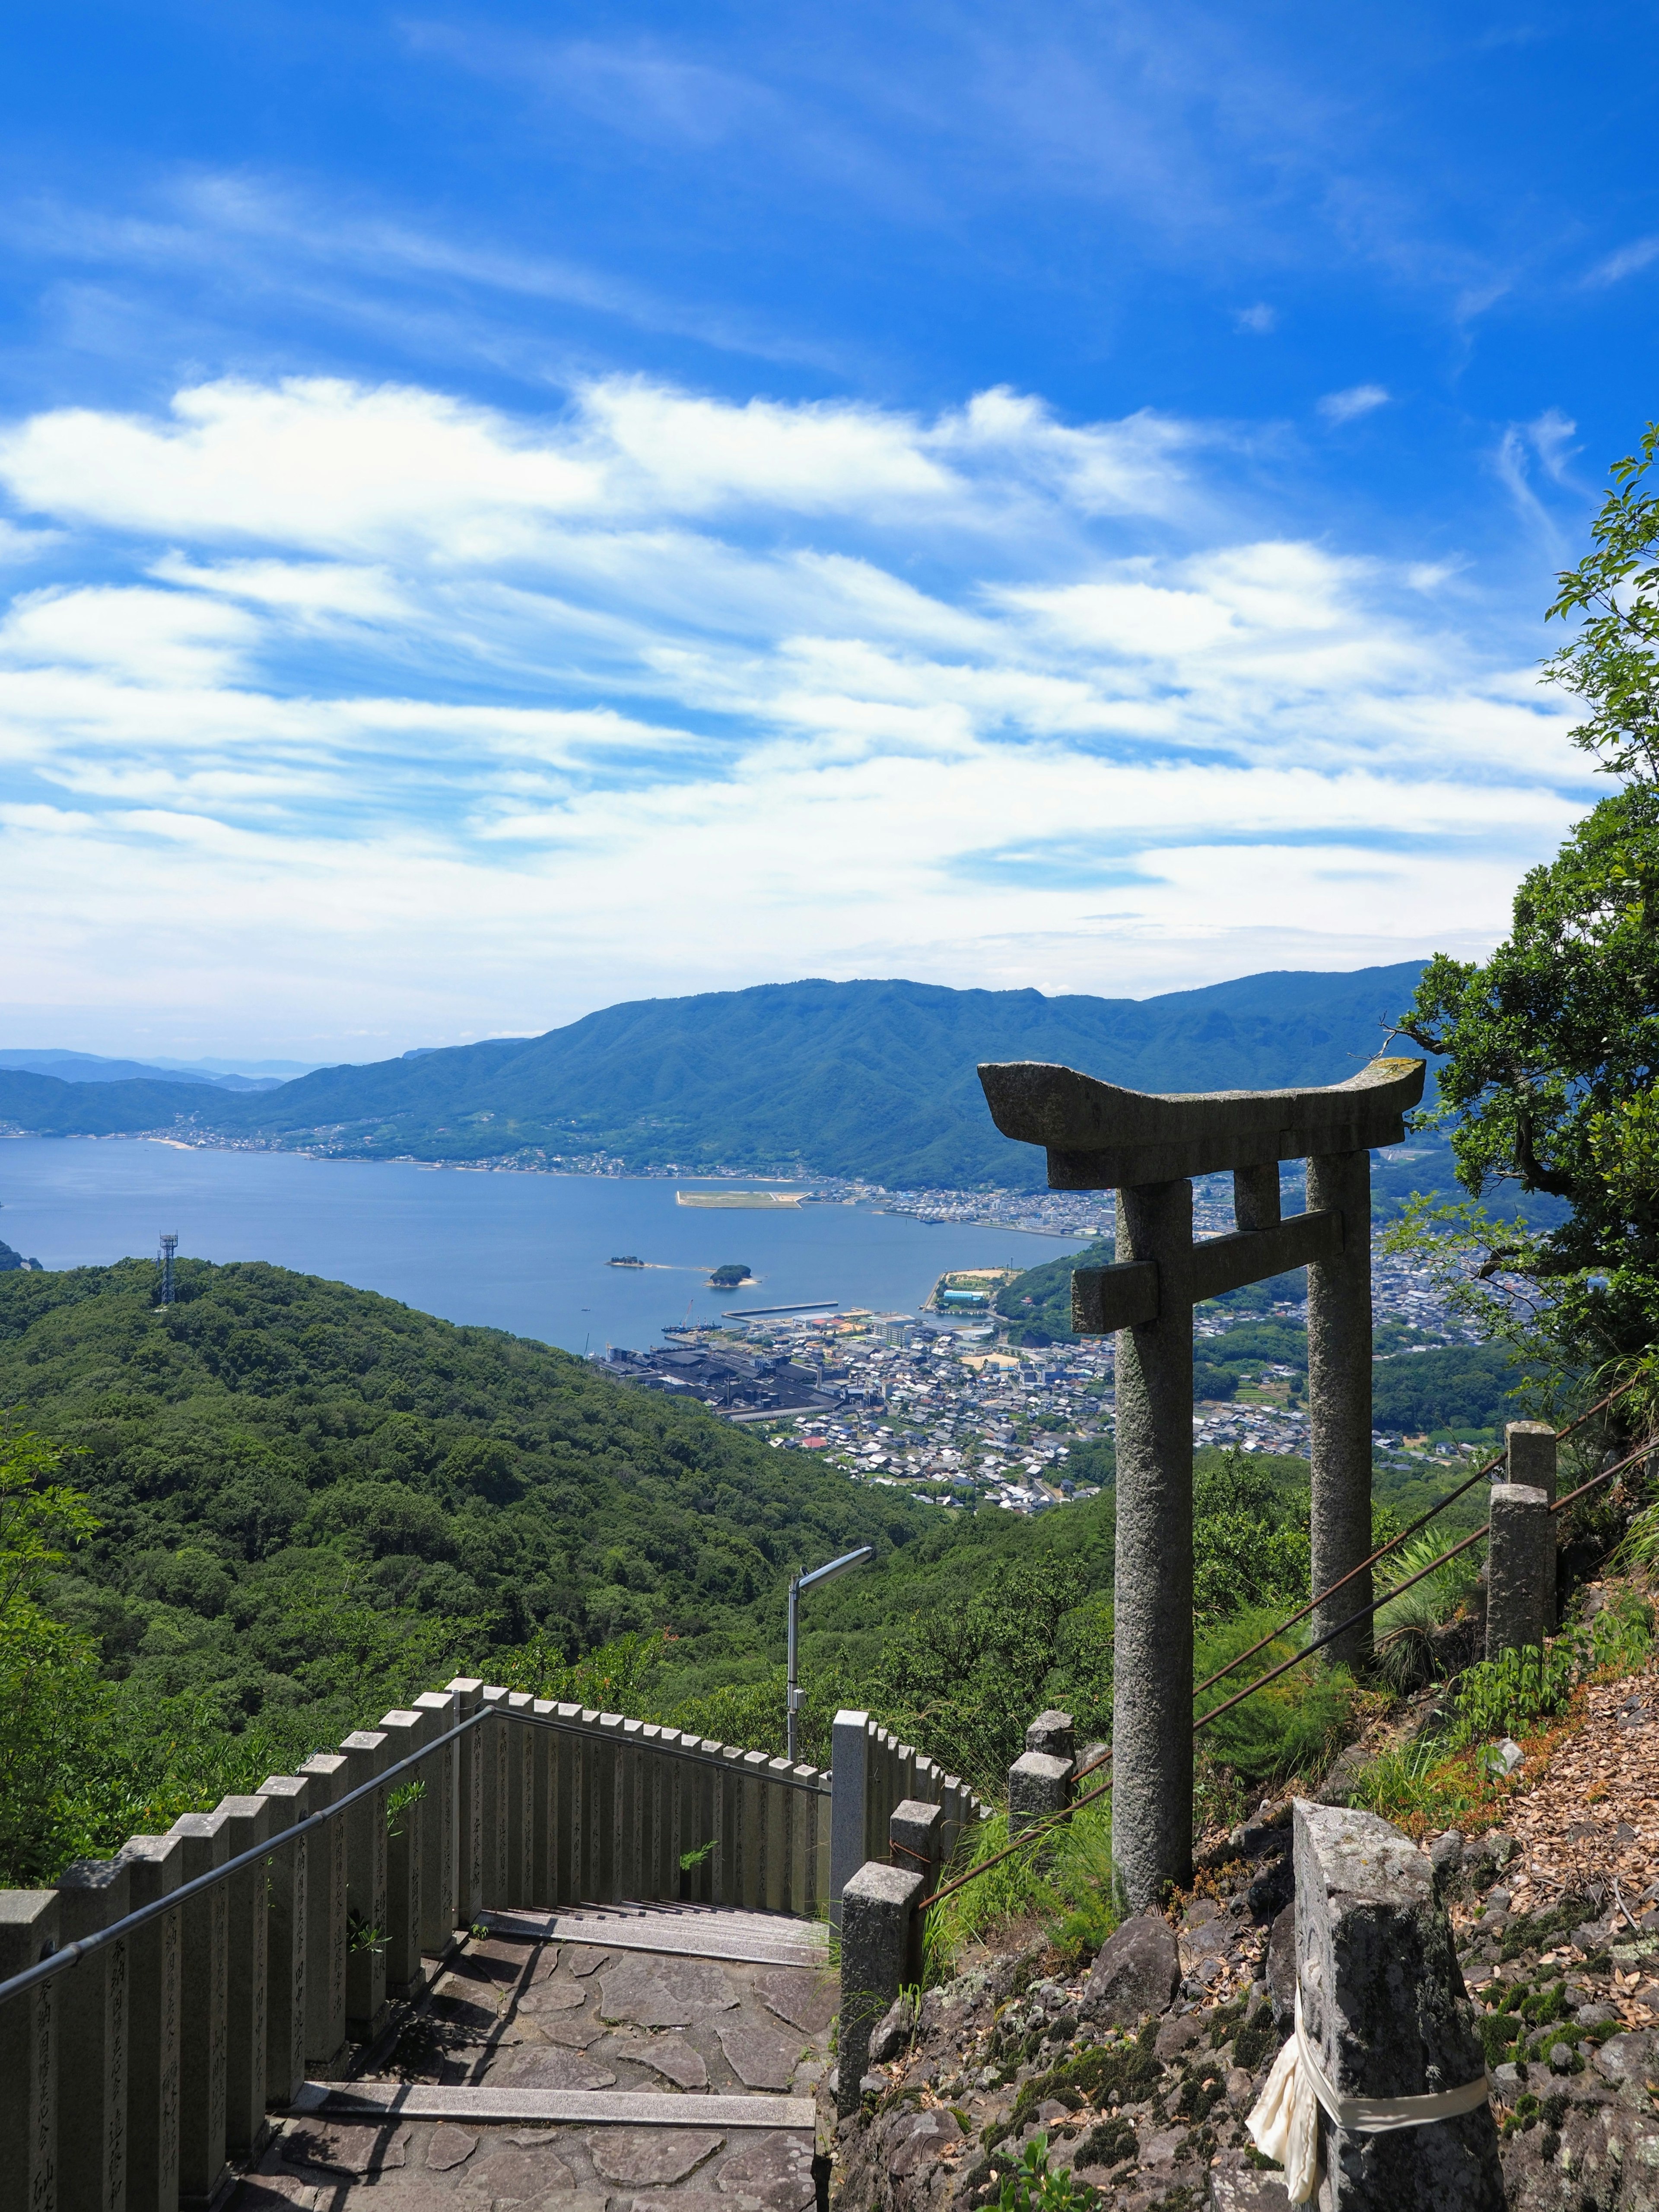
759, 1939
464, 2102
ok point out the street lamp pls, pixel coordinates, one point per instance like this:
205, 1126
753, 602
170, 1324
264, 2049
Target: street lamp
797, 1585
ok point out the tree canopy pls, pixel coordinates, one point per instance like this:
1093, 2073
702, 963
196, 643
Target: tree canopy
1551, 1081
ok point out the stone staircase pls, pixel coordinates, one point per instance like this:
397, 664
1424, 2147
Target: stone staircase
653, 2058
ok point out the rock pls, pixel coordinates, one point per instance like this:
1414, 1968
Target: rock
347, 2146
450, 2146
1241, 2087
1160, 2149
917, 2140
1446, 1856
1178, 2034
1235, 2185
1506, 2080
545, 2066
1595, 2015
663, 1992
1627, 2061
649, 2158
1281, 1969
775, 2172
760, 2059
1137, 1973
671, 2057
513, 2173
1560, 2058
807, 2001
892, 2031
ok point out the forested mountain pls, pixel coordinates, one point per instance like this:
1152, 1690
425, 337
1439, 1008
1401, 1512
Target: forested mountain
871, 1079
284, 1467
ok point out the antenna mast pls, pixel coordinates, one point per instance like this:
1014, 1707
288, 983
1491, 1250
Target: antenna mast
169, 1246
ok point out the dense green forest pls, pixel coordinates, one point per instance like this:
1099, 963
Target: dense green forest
304, 1503
870, 1079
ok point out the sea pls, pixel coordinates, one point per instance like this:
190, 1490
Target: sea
519, 1251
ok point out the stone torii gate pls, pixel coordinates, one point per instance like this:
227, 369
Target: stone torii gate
1147, 1148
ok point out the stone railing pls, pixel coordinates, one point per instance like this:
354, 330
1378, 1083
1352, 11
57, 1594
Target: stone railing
154, 2007
875, 1772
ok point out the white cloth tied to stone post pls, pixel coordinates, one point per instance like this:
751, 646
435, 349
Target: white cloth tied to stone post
1284, 2124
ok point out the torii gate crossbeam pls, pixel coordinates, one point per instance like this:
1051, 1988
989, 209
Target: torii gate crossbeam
1148, 1148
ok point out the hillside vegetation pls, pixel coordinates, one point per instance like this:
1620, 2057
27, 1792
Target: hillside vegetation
870, 1079
311, 1502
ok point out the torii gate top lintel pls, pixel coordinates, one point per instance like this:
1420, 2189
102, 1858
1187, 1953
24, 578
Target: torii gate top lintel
1099, 1136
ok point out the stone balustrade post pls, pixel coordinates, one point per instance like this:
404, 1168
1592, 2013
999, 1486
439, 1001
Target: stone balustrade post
544, 1807
404, 1732
289, 1797
156, 1867
848, 1782
1054, 1733
1339, 1401
916, 1832
1520, 1569
365, 1753
204, 1992
878, 1907
1531, 1451
1039, 1787
468, 1690
491, 1737
326, 1929
438, 1810
248, 1824
1384, 2009
29, 1931
92, 2038
519, 1884
1152, 1683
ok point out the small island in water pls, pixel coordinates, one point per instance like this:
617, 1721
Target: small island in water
728, 1277
626, 1260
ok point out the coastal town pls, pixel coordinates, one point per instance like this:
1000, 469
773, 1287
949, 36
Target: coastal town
949, 1404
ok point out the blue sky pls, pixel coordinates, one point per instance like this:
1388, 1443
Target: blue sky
503, 510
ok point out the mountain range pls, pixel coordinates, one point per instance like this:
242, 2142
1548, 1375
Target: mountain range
874, 1080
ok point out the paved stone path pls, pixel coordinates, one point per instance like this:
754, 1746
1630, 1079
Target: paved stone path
517, 2082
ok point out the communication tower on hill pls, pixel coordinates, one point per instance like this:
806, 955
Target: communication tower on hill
169, 1246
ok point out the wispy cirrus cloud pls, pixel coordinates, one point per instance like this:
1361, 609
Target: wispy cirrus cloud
1338, 407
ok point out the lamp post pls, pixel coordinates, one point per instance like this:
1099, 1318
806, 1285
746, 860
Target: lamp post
797, 1585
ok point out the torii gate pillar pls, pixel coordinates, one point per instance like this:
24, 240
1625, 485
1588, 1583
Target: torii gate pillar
1148, 1149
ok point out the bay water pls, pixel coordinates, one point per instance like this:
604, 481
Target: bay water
523, 1252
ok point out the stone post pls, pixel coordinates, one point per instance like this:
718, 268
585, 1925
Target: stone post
1153, 1688
1384, 2008
404, 1732
1520, 1569
92, 2039
490, 1738
1256, 1197
1038, 1788
289, 1796
325, 1914
365, 1753
916, 1830
848, 1777
1340, 1400
878, 1906
437, 1811
247, 1822
29, 1924
205, 1840
520, 1880
156, 1867
1052, 1732
468, 1690
1530, 1448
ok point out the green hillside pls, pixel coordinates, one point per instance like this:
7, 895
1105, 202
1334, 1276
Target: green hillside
871, 1079
287, 1470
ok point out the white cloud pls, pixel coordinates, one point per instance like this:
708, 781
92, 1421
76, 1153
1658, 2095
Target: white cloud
1259, 319
1358, 399
1639, 254
446, 720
